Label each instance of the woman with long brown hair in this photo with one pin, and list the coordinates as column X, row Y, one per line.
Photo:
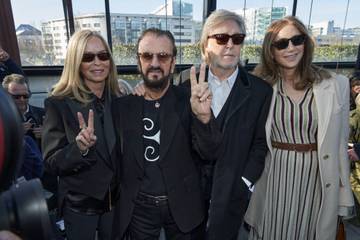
column 305, row 184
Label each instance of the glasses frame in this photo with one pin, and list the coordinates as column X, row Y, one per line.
column 19, row 96
column 162, row 57
column 90, row 57
column 283, row 43
column 223, row 38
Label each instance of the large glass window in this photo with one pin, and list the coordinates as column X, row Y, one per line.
column 335, row 26
column 182, row 18
column 258, row 14
column 40, row 35
column 90, row 15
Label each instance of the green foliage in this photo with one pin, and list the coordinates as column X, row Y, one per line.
column 335, row 53
column 125, row 54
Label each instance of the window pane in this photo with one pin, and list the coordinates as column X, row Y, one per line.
column 35, row 31
column 337, row 40
column 90, row 15
column 182, row 18
column 258, row 14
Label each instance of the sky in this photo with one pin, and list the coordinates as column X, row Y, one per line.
column 33, row 12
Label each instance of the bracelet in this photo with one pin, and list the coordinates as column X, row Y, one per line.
column 84, row 153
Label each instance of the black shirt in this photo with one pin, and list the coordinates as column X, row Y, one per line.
column 153, row 182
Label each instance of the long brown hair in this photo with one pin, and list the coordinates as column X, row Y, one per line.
column 269, row 69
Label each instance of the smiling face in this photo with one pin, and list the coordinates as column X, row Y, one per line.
column 95, row 71
column 223, row 57
column 290, row 57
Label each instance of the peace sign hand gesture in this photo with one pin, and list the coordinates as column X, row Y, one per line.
column 86, row 137
column 201, row 95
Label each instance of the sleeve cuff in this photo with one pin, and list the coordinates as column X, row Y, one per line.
column 248, row 184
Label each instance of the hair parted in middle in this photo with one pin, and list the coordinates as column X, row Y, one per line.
column 71, row 83
column 269, row 70
column 215, row 18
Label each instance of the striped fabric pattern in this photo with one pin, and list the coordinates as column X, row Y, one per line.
column 293, row 195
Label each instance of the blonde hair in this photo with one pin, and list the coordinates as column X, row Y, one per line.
column 269, row 69
column 215, row 18
column 71, row 83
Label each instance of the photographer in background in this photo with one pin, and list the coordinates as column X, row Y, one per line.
column 7, row 66
column 17, row 86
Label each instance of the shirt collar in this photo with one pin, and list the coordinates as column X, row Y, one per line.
column 212, row 79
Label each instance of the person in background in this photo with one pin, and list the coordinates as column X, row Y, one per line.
column 78, row 137
column 32, row 116
column 7, row 66
column 32, row 163
column 354, row 139
column 160, row 137
column 305, row 186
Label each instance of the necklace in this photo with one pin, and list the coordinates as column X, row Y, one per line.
column 157, row 104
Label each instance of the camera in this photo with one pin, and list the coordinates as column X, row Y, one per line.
column 23, row 208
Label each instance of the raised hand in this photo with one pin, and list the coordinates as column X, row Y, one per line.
column 86, row 137
column 201, row 95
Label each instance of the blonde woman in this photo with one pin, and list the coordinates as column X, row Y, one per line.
column 78, row 137
column 305, row 184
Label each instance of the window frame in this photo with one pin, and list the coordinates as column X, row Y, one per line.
column 208, row 7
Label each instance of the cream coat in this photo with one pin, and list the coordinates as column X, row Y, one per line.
column 332, row 103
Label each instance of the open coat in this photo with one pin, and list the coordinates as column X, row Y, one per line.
column 332, row 104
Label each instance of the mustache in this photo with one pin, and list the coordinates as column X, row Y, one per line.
column 154, row 69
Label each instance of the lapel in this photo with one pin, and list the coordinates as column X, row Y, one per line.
column 270, row 117
column 108, row 124
column 324, row 97
column 134, row 123
column 239, row 94
column 169, row 120
column 75, row 107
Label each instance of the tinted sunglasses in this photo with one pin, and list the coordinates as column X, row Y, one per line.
column 223, row 38
column 283, row 43
column 148, row 57
column 89, row 57
column 18, row 96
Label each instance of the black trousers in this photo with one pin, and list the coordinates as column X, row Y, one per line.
column 81, row 226
column 150, row 216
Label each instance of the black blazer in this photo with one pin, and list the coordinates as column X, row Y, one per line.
column 177, row 156
column 90, row 175
column 241, row 153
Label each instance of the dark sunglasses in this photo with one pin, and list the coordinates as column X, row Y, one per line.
column 18, row 96
column 283, row 43
column 89, row 57
column 162, row 57
column 223, row 38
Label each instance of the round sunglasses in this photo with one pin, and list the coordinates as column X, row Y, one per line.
column 163, row 57
column 283, row 43
column 89, row 57
column 223, row 38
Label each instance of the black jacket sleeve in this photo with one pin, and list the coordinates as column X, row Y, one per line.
column 60, row 152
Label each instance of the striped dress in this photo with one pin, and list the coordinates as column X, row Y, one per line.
column 293, row 194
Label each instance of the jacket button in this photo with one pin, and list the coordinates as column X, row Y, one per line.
column 328, row 185
column 325, row 157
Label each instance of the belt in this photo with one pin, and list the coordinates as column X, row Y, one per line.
column 153, row 200
column 295, row 146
